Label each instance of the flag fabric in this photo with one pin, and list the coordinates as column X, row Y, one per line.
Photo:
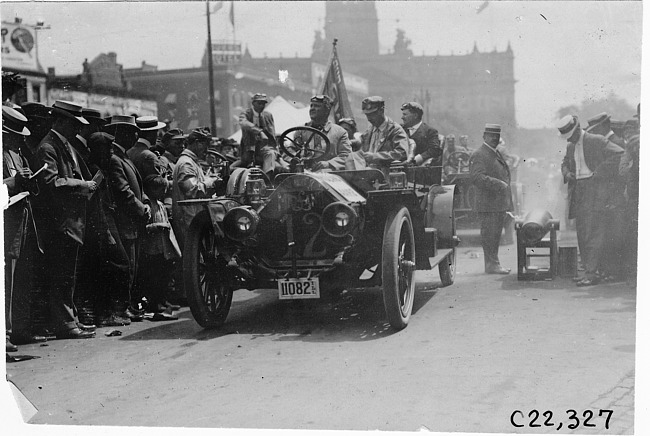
column 232, row 13
column 334, row 87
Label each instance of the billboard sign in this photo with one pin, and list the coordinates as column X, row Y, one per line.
column 19, row 47
column 106, row 104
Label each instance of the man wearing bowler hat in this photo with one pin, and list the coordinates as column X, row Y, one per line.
column 131, row 212
column 382, row 143
column 585, row 169
column 65, row 184
column 491, row 177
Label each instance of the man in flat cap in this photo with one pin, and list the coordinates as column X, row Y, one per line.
column 584, row 169
column 491, row 177
column 257, row 145
column 427, row 150
column 65, row 185
column 334, row 160
column 191, row 182
column 350, row 126
column 131, row 211
column 382, row 143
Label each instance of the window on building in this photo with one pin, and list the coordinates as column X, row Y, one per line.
column 219, row 123
column 36, row 92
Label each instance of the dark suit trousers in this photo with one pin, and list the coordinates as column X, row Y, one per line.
column 491, row 226
column 590, row 227
column 59, row 279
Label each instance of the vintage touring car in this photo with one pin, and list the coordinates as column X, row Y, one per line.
column 309, row 235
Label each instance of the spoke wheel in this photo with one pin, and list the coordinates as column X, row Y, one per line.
column 398, row 268
column 209, row 293
column 457, row 162
column 298, row 144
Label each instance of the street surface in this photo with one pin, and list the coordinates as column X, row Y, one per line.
column 473, row 354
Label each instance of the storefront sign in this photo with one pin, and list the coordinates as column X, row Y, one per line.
column 19, row 47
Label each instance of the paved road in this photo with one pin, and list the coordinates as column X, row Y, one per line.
column 474, row 353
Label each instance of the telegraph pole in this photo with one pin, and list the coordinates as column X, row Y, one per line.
column 213, row 121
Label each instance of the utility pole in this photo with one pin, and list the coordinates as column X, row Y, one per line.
column 213, row 121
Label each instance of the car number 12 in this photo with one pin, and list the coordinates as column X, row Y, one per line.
column 298, row 288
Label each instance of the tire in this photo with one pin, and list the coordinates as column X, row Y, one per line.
column 447, row 267
column 209, row 293
column 398, row 268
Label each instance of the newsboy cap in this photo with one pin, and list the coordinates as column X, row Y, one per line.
column 567, row 125
column 68, row 109
column 493, row 128
column 260, row 97
column 372, row 104
column 597, row 120
column 14, row 121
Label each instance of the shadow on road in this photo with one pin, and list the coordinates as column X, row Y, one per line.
column 357, row 315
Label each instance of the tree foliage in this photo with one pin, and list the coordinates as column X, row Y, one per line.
column 615, row 106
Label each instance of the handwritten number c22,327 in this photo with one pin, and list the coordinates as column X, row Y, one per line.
column 512, row 418
column 573, row 415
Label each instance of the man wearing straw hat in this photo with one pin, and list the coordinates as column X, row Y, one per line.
column 584, row 168
column 65, row 184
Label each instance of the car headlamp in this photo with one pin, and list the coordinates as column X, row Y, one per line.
column 339, row 219
column 397, row 180
column 240, row 223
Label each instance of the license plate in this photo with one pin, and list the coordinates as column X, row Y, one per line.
column 293, row 289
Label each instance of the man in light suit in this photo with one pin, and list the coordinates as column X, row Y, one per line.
column 428, row 150
column 382, row 143
column 319, row 110
column 257, row 145
column 585, row 169
column 491, row 177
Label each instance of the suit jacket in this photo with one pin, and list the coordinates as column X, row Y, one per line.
column 151, row 169
column 491, row 177
column 339, row 144
column 393, row 144
column 249, row 131
column 427, row 144
column 602, row 157
column 126, row 186
column 61, row 204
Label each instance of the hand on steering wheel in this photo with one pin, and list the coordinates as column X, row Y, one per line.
column 302, row 148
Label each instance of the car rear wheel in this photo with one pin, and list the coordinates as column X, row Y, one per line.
column 447, row 267
column 398, row 268
column 209, row 294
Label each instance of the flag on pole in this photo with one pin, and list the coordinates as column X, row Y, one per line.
column 232, row 13
column 334, row 87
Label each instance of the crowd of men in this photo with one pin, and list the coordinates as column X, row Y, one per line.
column 601, row 169
column 95, row 223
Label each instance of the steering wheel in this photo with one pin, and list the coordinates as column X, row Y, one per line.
column 220, row 156
column 299, row 148
column 457, row 162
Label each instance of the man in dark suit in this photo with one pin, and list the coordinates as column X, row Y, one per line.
column 428, row 150
column 257, row 145
column 611, row 263
column 65, row 185
column 131, row 212
column 491, row 177
column 586, row 168
column 148, row 164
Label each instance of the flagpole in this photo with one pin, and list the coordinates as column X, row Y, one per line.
column 213, row 122
column 329, row 63
column 232, row 17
